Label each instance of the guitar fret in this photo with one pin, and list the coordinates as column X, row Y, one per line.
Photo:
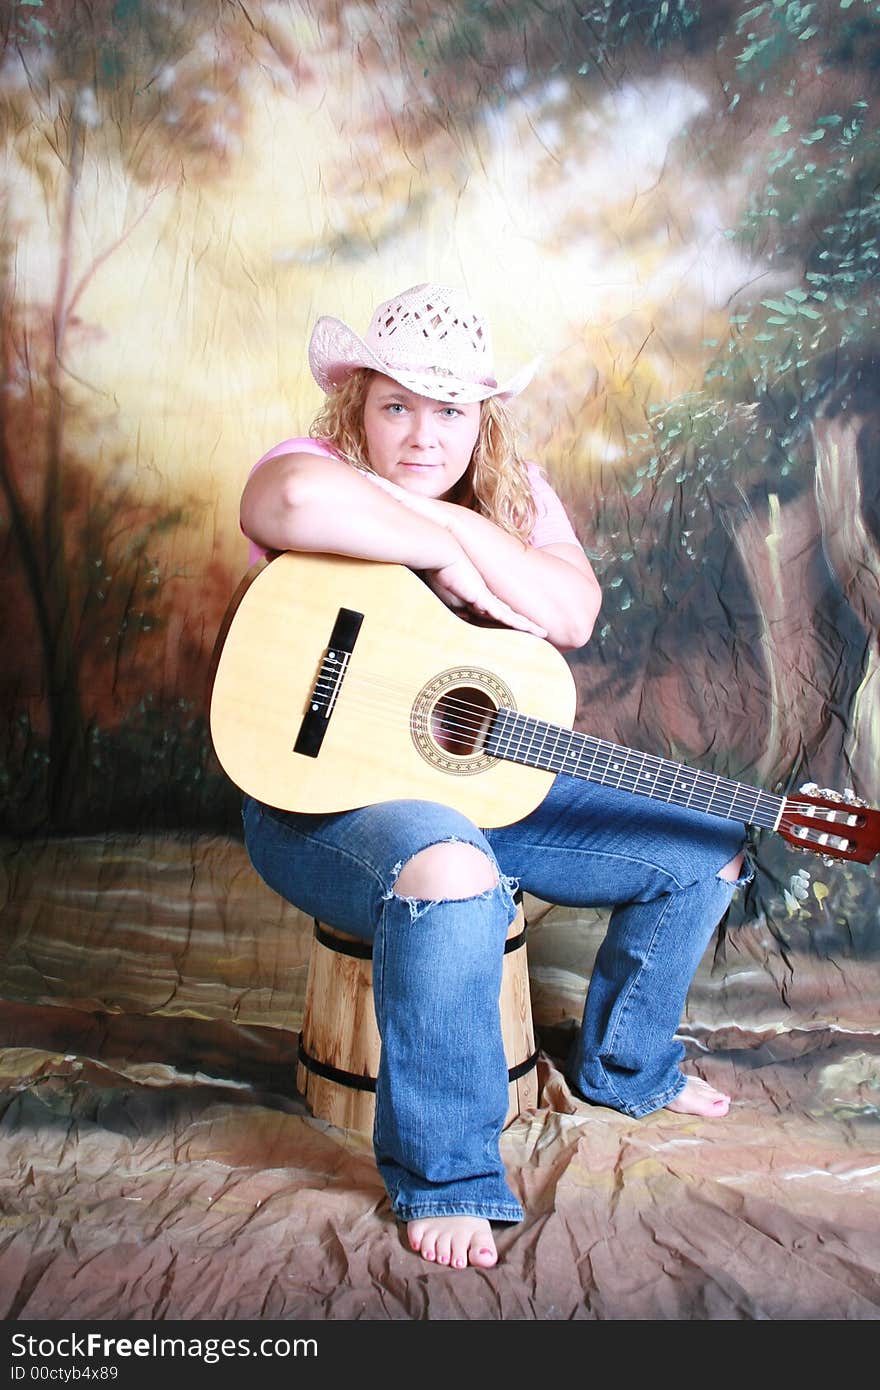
column 519, row 738
column 755, row 806
column 664, row 764
column 520, row 723
column 516, row 732
column 575, row 758
column 555, row 747
column 712, row 794
column 600, row 762
column 496, row 735
column 572, row 757
column 541, row 751
column 527, row 756
column 655, row 765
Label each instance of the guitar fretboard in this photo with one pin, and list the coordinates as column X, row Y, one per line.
column 519, row 738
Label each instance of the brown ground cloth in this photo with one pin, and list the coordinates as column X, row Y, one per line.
column 157, row 1163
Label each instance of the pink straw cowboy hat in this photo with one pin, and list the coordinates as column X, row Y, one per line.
column 429, row 338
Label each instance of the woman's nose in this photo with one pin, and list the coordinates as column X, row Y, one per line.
column 423, row 432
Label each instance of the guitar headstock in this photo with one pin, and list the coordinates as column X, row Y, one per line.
column 830, row 824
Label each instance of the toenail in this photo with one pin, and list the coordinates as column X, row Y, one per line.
column 459, row 1264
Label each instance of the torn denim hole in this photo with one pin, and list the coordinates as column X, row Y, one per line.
column 748, row 871
column 419, row 906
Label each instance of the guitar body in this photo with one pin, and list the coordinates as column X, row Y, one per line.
column 412, row 663
column 342, row 683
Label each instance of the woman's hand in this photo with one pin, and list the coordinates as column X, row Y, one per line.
column 460, row 585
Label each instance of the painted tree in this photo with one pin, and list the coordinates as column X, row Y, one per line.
column 703, row 502
column 120, row 85
column 792, row 388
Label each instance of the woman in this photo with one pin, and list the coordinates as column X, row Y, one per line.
column 413, row 460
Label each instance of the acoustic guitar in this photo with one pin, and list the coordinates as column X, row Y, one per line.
column 341, row 682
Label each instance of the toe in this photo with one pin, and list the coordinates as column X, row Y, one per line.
column 443, row 1248
column 428, row 1243
column 460, row 1249
column 482, row 1252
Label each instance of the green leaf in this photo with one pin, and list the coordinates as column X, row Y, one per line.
column 781, row 126
column 797, row 295
column 808, row 313
column 779, row 305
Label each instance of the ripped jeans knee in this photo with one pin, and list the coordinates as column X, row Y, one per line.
column 449, row 871
column 739, row 871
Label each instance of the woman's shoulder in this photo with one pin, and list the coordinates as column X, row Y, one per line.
column 542, row 489
column 301, row 444
column 552, row 525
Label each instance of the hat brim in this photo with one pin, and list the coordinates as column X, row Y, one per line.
column 335, row 351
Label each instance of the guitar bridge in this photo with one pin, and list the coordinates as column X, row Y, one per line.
column 325, row 691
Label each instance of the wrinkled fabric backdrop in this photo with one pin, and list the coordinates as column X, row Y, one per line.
column 677, row 207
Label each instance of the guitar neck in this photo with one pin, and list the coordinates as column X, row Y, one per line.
column 532, row 742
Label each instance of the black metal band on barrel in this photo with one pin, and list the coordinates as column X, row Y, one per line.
column 342, row 1078
column 355, row 1082
column 514, row 1073
column 363, row 950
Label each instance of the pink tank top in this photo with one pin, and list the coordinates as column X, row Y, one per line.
column 552, row 526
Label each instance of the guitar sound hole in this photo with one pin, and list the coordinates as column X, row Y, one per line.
column 461, row 719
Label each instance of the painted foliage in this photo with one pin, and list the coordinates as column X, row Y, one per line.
column 676, row 205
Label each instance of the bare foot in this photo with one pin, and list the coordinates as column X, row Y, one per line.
column 699, row 1098
column 454, row 1240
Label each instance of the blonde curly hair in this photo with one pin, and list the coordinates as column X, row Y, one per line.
column 496, row 482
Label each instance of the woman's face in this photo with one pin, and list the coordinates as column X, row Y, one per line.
column 419, row 443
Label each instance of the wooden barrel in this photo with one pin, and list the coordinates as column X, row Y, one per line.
column 339, row 1043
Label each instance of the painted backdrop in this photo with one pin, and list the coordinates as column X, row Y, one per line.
column 676, row 205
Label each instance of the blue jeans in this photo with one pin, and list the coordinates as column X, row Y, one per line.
column 441, row 1091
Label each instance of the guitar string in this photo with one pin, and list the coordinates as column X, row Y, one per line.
column 665, row 767
column 464, row 725
column 665, row 775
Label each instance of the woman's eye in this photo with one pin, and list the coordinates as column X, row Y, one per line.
column 395, row 408
column 451, row 413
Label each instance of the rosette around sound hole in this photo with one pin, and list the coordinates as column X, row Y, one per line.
column 452, row 717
